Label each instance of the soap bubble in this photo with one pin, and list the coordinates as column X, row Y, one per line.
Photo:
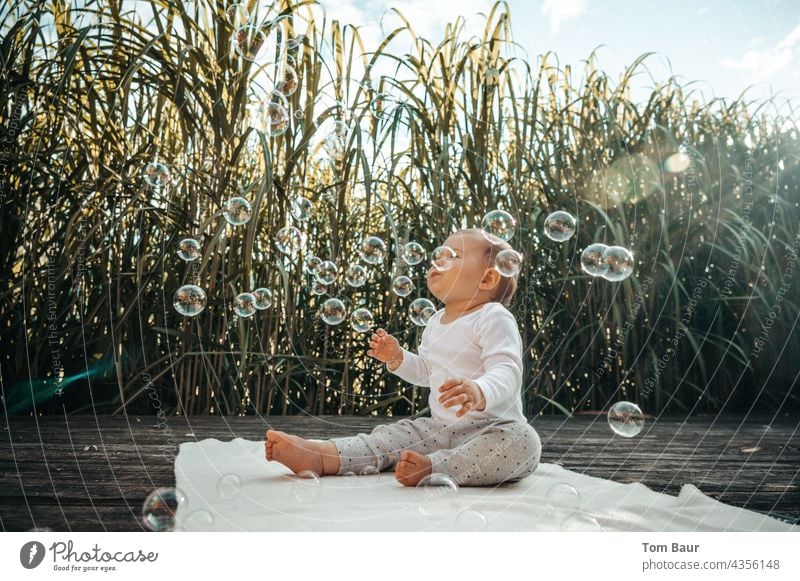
column 500, row 223
column 158, row 510
column 189, row 300
column 592, row 261
column 189, row 249
column 370, row 470
column 413, row 253
column 336, row 141
column 439, row 495
column 306, row 486
column 301, row 208
column 563, row 495
column 263, row 298
column 247, row 41
column 245, row 305
column 508, row 262
column 471, row 520
column 90, row 448
column 318, row 289
column 326, row 273
column 289, row 83
column 237, row 15
column 581, row 522
column 421, row 310
column 199, row 520
column 156, row 174
column 619, row 262
column 402, row 286
column 278, row 118
column 312, row 264
column 355, row 275
column 229, row 486
column 626, row 419
column 373, row 250
column 289, row 240
column 361, row 320
column 333, row 311
column 559, row 226
column 237, row 211
column 443, row 258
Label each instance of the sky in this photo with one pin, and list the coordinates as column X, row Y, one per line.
column 721, row 46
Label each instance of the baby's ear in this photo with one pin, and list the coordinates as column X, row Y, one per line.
column 491, row 278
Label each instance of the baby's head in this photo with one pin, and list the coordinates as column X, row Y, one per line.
column 472, row 275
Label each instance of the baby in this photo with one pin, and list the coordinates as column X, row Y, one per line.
column 470, row 356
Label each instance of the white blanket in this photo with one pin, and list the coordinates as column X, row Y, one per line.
column 266, row 496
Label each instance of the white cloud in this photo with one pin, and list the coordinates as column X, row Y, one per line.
column 561, row 11
column 762, row 64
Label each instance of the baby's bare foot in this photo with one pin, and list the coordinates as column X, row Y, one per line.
column 412, row 468
column 294, row 452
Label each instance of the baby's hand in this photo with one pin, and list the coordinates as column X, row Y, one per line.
column 386, row 348
column 465, row 392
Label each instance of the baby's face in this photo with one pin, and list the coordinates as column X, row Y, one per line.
column 462, row 281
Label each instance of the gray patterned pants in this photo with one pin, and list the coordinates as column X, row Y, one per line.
column 472, row 452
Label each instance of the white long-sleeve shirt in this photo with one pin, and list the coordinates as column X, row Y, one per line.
column 485, row 346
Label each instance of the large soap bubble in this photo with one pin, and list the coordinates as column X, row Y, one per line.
column 626, row 419
column 156, row 174
column 508, row 262
column 189, row 249
column 263, row 298
column 229, row 486
column 440, row 495
column 361, row 320
column 327, row 272
column 237, row 211
column 356, row 275
column 559, row 226
column 160, row 507
column 312, row 264
column 619, row 263
column 289, row 240
column 373, row 250
column 301, row 208
column 592, row 261
column 443, row 258
column 420, row 311
column 413, row 253
column 244, row 305
column 189, row 300
column 500, row 223
column 289, row 83
column 247, row 42
column 333, row 311
column 277, row 118
column 563, row 495
column 402, row 286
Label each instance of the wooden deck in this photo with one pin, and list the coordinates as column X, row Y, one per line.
column 48, row 478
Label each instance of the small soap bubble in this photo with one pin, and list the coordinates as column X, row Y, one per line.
column 306, row 486
column 421, row 310
column 440, row 496
column 90, row 448
column 160, row 507
column 247, row 42
column 361, row 320
column 626, row 419
column 413, row 253
column 318, row 289
column 619, row 262
column 592, row 261
column 508, row 262
column 278, row 119
column 564, row 495
column 263, row 298
column 355, row 275
column 500, row 223
column 289, row 240
column 198, row 520
column 311, row 265
column 301, row 208
column 373, row 250
column 229, row 486
column 245, row 305
column 299, row 114
column 237, row 15
column 370, row 470
column 189, row 300
column 402, row 286
column 333, row 311
column 559, row 226
column 471, row 520
column 237, row 211
column 189, row 249
column 581, row 522
column 156, row 174
column 327, row 272
column 443, row 258
column 289, row 83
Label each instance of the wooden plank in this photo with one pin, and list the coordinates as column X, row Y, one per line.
column 50, row 474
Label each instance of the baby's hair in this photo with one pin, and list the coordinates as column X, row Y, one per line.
column 507, row 287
